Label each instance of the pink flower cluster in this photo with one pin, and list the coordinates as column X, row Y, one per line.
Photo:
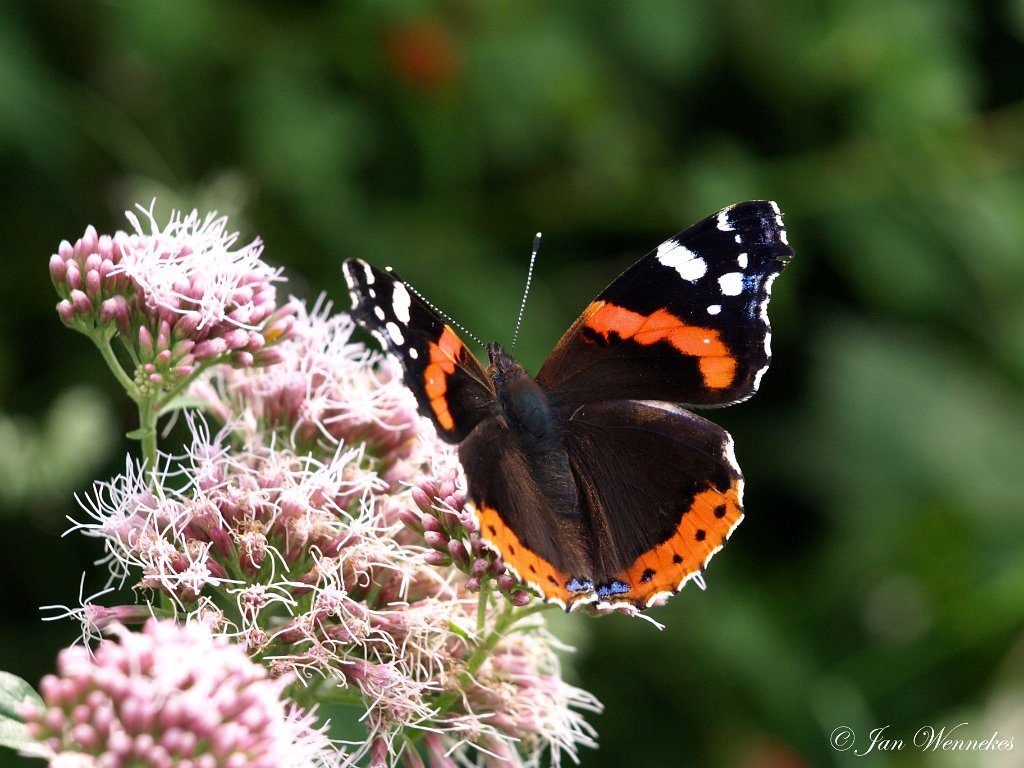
column 177, row 296
column 321, row 526
column 171, row 695
column 324, row 388
column 451, row 530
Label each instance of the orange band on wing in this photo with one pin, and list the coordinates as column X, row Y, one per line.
column 658, row 573
column 531, row 568
column 717, row 366
column 443, row 355
column 702, row 531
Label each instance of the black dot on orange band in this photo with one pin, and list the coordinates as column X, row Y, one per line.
column 493, row 530
column 677, row 559
column 554, row 582
column 511, row 549
column 647, row 576
column 701, row 534
column 533, row 568
column 589, row 334
column 720, row 511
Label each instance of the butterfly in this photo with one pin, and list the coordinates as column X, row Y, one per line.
column 593, row 481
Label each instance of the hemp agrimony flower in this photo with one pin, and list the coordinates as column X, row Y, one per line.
column 177, row 299
column 312, row 528
column 171, row 695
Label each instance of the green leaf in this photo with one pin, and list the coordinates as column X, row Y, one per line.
column 184, row 402
column 14, row 735
column 13, row 693
column 456, row 629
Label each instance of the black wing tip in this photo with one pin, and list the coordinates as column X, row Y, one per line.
column 359, row 276
column 763, row 217
column 352, row 268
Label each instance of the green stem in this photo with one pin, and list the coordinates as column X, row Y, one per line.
column 504, row 622
column 148, row 410
column 535, row 607
column 115, row 367
column 168, row 397
column 481, row 606
column 148, row 415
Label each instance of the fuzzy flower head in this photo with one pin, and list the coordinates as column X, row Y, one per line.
column 242, row 515
column 171, row 695
column 323, row 527
column 325, row 388
column 178, row 296
column 328, row 582
column 526, row 700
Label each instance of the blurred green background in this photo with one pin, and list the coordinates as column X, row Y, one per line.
column 878, row 579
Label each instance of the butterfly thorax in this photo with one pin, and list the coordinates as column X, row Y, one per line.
column 523, row 402
column 526, row 411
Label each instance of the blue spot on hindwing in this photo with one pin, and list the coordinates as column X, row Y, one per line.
column 575, row 585
column 613, row 588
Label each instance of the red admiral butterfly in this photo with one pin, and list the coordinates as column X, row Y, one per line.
column 590, row 481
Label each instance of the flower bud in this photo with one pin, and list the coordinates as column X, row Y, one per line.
column 458, row 552
column 83, row 307
column 58, row 267
column 436, row 540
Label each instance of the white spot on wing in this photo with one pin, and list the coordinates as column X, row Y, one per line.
column 729, row 454
column 414, row 353
column 714, row 309
column 685, row 262
column 380, row 313
column 742, row 260
column 767, row 295
column 731, row 283
column 758, row 375
column 368, row 272
column 395, row 333
column 402, row 302
column 778, row 222
column 723, row 221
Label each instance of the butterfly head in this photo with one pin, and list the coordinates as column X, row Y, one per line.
column 503, row 369
column 499, row 361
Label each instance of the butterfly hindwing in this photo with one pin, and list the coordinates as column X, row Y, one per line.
column 527, row 508
column 656, row 492
column 662, row 493
column 685, row 324
column 450, row 385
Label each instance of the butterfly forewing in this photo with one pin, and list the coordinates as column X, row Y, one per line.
column 450, row 385
column 686, row 324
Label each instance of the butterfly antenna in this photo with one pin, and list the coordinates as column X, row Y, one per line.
column 526, row 291
column 444, row 315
